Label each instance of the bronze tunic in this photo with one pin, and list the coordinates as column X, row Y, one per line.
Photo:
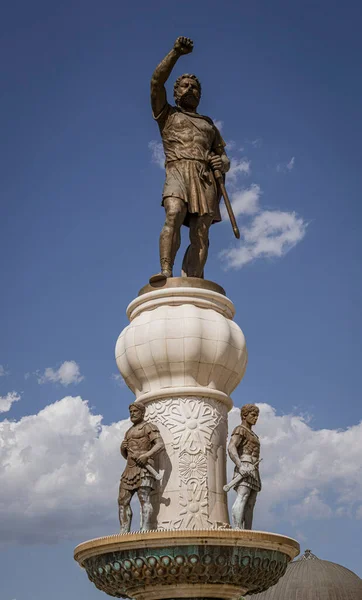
column 188, row 139
column 248, row 448
column 140, row 439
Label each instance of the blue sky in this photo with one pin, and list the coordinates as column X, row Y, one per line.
column 80, row 207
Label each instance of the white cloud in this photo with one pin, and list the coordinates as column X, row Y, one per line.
column 7, row 401
column 285, row 167
column 230, row 145
column 117, row 377
column 311, row 507
column 257, row 143
column 60, row 470
column 244, row 201
column 270, row 234
column 59, row 473
column 218, row 124
column 67, row 373
column 158, row 155
column 238, row 166
column 290, row 164
column 3, row 371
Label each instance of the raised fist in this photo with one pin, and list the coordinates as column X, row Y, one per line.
column 183, row 45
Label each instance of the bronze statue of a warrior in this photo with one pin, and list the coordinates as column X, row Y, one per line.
column 141, row 443
column 195, row 153
column 244, row 451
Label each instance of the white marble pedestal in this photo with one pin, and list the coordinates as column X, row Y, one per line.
column 182, row 355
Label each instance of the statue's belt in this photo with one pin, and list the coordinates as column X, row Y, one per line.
column 204, row 171
column 248, row 458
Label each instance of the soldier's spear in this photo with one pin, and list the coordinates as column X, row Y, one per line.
column 219, row 178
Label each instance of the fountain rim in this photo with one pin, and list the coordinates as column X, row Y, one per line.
column 206, row 537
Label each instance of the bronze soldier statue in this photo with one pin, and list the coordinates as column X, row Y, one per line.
column 194, row 150
column 141, row 443
column 244, row 451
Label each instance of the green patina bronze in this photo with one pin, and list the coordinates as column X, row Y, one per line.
column 116, row 573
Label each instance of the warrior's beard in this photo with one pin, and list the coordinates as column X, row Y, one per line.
column 188, row 99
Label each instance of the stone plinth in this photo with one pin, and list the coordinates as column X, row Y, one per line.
column 160, row 565
column 182, row 355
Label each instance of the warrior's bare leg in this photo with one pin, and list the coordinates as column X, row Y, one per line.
column 249, row 509
column 170, row 237
column 125, row 511
column 196, row 253
column 238, row 509
column 146, row 507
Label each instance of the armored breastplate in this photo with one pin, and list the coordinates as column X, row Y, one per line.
column 250, row 444
column 138, row 440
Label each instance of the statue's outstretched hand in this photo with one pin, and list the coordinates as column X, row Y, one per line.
column 183, row 45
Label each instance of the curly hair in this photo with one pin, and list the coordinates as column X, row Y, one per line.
column 141, row 407
column 247, row 408
column 185, row 76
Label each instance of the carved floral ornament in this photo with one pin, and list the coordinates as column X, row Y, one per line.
column 192, row 467
column 192, row 421
column 194, row 507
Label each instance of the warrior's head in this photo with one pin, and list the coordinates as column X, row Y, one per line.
column 249, row 413
column 187, row 91
column 136, row 412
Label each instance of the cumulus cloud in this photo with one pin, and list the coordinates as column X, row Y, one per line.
column 265, row 233
column 270, row 234
column 60, row 469
column 257, row 143
column 238, row 167
column 286, row 167
column 59, row 473
column 7, row 401
column 312, row 507
column 3, row 371
column 245, row 201
column 118, row 379
column 157, row 153
column 218, row 124
column 67, row 373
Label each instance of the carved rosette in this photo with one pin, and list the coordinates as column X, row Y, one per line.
column 192, row 467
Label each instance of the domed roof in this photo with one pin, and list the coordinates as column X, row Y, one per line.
column 310, row 578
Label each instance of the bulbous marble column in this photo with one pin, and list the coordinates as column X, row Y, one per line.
column 182, row 355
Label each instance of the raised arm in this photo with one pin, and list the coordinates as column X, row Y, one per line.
column 162, row 72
